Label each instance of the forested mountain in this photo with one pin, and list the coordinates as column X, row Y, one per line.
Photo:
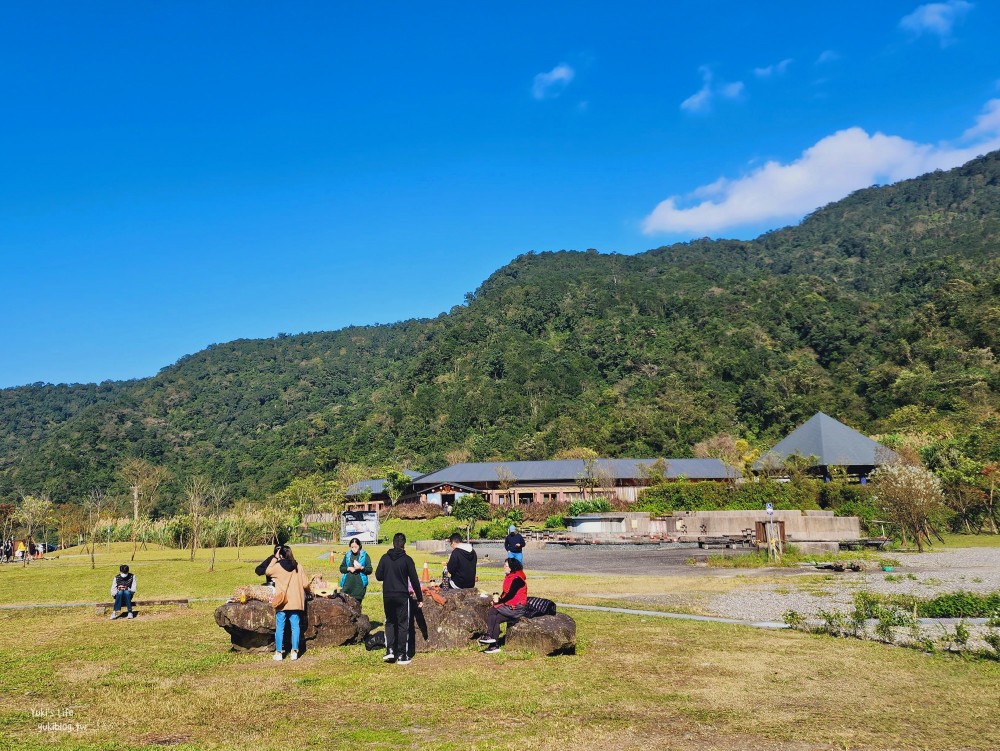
column 882, row 309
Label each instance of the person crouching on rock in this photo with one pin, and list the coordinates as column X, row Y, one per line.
column 398, row 575
column 461, row 564
column 123, row 590
column 508, row 606
column 289, row 578
column 356, row 568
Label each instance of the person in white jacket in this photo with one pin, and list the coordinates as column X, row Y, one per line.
column 123, row 589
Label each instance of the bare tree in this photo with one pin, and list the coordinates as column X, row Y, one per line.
column 506, row 479
column 196, row 491
column 143, row 480
column 95, row 505
column 588, row 478
column 239, row 516
column 70, row 522
column 275, row 519
column 216, row 499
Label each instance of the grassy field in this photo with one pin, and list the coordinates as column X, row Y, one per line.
column 167, row 679
column 967, row 541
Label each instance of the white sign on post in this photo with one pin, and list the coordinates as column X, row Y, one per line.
column 769, row 508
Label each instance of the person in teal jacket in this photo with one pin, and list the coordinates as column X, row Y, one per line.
column 356, row 568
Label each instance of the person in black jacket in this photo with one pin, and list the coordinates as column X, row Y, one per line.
column 398, row 575
column 513, row 543
column 261, row 570
column 461, row 564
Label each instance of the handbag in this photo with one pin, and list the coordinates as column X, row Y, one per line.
column 278, row 600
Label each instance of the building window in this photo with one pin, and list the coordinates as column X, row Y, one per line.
column 550, row 497
column 525, row 499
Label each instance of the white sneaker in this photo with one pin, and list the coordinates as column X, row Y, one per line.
column 113, row 616
column 294, row 655
column 389, row 657
column 131, row 616
column 277, row 657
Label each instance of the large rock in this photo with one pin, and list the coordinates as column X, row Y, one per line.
column 546, row 635
column 335, row 622
column 328, row 623
column 455, row 623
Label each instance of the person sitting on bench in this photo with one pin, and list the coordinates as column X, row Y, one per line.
column 123, row 589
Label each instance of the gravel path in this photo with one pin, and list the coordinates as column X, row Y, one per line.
column 921, row 574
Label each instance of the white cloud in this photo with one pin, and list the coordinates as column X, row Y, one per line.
column 551, row 84
column 827, row 171
column 987, row 124
column 771, row 70
column 936, row 18
column 731, row 90
column 827, row 56
column 701, row 100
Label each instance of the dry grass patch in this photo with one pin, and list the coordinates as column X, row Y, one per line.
column 637, row 682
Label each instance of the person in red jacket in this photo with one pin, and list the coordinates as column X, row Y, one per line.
column 508, row 606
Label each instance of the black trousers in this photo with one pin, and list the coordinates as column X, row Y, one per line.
column 398, row 623
column 502, row 614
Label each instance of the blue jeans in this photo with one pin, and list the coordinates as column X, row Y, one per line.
column 123, row 597
column 279, row 629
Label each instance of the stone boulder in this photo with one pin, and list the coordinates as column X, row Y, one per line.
column 329, row 622
column 546, row 635
column 453, row 624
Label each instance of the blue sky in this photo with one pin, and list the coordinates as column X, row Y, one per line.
column 178, row 174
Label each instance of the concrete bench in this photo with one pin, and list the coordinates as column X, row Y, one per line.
column 103, row 608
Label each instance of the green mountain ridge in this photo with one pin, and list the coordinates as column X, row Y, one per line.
column 881, row 310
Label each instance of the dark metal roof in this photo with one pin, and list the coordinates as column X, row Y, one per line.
column 374, row 486
column 831, row 442
column 569, row 470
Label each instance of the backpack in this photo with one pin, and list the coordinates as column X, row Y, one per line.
column 538, row 606
column 375, row 641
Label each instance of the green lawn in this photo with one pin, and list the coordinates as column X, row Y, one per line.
column 967, row 541
column 636, row 682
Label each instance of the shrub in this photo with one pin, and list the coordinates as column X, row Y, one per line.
column 494, row 530
column 555, row 521
column 795, row 620
column 668, row 497
column 834, row 622
column 539, row 512
column 590, row 506
column 417, row 511
column 509, row 516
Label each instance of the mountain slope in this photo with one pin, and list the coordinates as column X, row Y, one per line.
column 881, row 309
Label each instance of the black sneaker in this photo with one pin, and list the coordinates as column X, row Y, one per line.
column 487, row 640
column 491, row 650
column 404, row 660
column 389, row 657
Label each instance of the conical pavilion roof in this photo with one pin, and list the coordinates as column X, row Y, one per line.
column 831, row 442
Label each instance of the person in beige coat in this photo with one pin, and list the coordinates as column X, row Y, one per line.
column 289, row 577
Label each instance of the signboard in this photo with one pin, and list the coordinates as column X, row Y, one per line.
column 360, row 524
column 769, row 508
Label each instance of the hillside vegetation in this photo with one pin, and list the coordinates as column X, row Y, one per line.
column 882, row 310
